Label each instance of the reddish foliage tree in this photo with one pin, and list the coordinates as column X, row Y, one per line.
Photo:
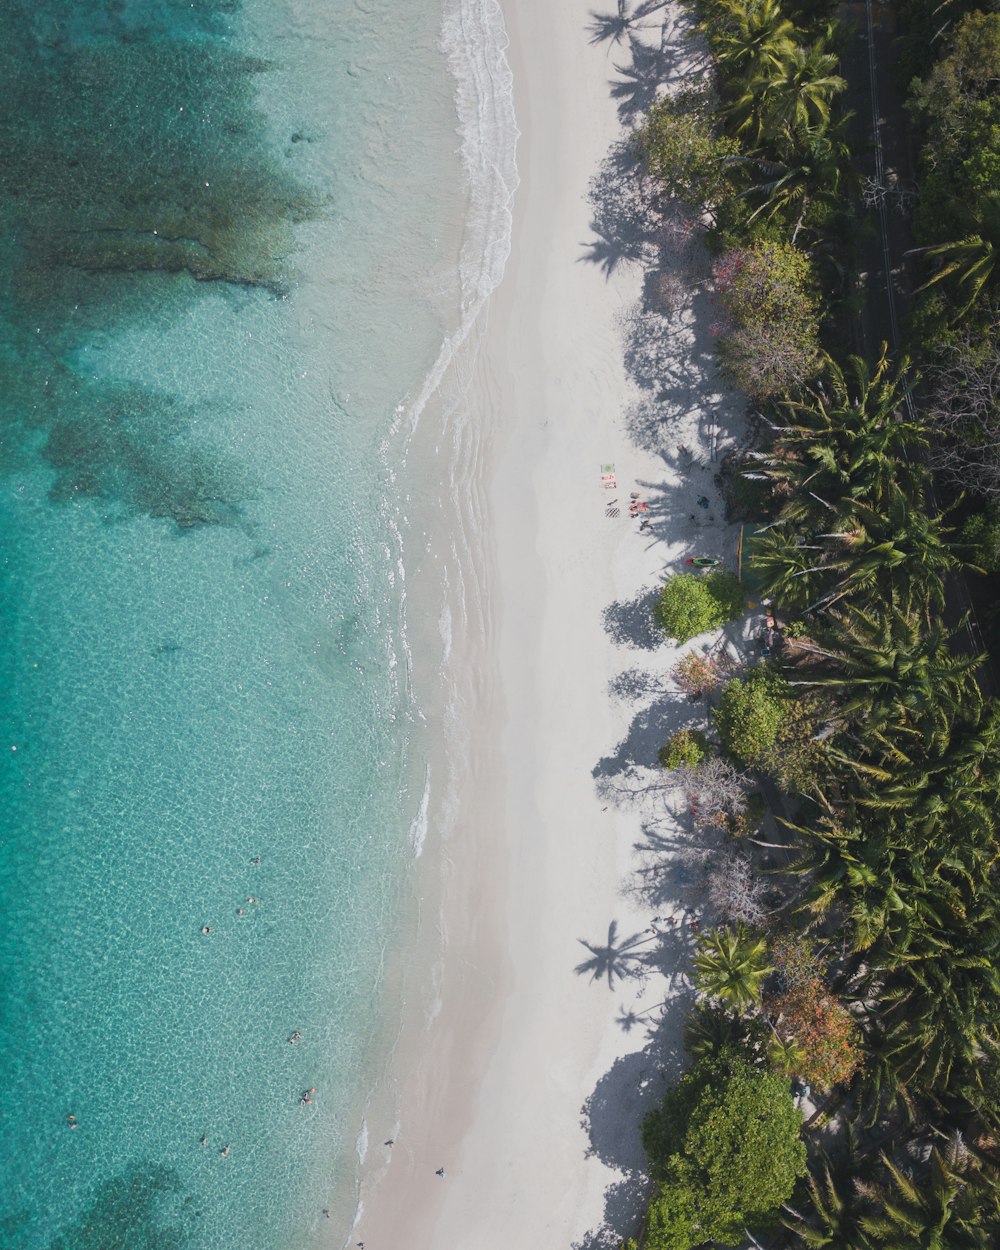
column 804, row 1009
column 698, row 674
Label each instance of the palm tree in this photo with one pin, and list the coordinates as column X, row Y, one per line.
column 939, row 1007
column 833, row 1219
column 731, row 965
column 751, row 37
column 845, row 439
column 811, row 172
column 779, row 106
column 711, row 1029
column 891, row 888
column 969, row 261
column 852, row 872
column 947, row 1210
column 895, row 553
column 895, row 674
column 785, row 1055
column 789, row 569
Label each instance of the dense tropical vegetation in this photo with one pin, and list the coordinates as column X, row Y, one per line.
column 867, row 963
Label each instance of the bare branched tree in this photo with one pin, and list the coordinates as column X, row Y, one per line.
column 716, row 792
column 964, row 411
column 735, row 891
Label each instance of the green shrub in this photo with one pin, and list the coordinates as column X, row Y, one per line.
column 981, row 539
column 750, row 714
column 687, row 746
column 724, row 1152
column 692, row 603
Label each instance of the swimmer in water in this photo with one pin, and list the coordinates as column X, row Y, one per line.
column 224, row 1151
column 205, row 930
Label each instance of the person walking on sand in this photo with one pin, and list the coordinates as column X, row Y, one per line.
column 440, row 1172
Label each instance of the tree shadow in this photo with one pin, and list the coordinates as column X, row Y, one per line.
column 624, row 1203
column 632, row 624
column 619, row 959
column 612, row 1117
column 626, row 222
column 614, row 27
column 640, row 80
column 674, row 57
column 649, row 730
column 637, row 683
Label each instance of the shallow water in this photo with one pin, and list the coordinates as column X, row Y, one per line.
column 236, row 238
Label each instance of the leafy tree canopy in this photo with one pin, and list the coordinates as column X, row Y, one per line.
column 769, row 337
column 725, row 1152
column 684, row 149
column 959, row 205
column 692, row 603
column 750, row 714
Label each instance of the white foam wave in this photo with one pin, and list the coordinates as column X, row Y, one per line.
column 418, row 826
column 475, row 41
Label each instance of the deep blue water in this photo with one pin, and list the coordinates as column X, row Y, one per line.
column 221, row 227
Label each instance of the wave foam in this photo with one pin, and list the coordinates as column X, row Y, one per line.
column 475, row 41
column 418, row 827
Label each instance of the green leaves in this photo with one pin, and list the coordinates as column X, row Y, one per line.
column 725, row 1152
column 685, row 150
column 731, row 965
column 959, row 218
column 692, row 603
column 750, row 714
column 786, row 102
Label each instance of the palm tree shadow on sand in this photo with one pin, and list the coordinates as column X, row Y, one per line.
column 619, row 25
column 617, row 960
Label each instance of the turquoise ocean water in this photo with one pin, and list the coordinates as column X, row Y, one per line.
column 234, row 238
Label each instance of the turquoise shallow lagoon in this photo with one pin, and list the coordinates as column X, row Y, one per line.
column 230, row 242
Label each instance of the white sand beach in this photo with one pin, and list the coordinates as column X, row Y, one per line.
column 559, row 1012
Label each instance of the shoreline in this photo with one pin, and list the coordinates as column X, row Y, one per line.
column 522, row 1080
